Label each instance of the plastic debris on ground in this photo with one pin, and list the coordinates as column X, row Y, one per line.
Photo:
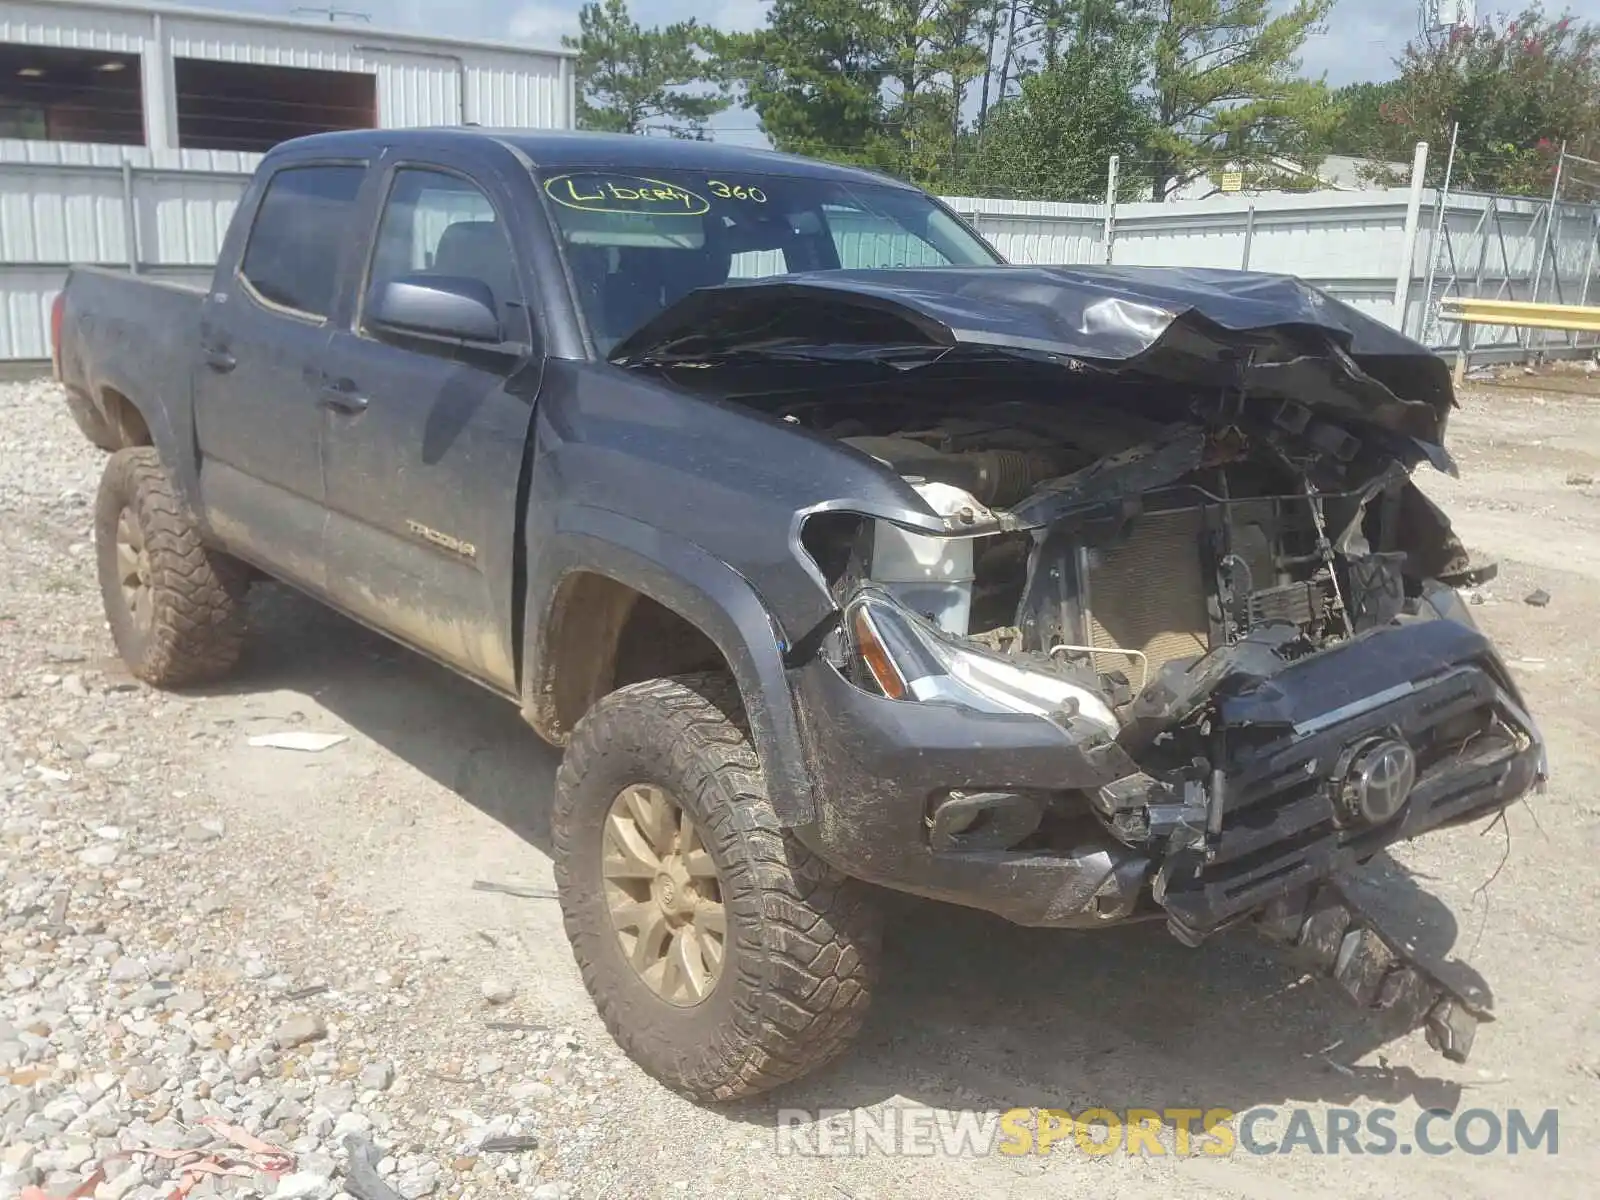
column 310, row 743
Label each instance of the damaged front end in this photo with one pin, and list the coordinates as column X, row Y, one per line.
column 1168, row 633
column 1256, row 692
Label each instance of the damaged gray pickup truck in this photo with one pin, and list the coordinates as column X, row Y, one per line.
column 835, row 551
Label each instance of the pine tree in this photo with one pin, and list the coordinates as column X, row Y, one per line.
column 1228, row 93
column 635, row 80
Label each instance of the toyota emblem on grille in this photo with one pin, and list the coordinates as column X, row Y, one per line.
column 1379, row 779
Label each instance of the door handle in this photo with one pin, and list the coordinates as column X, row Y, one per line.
column 342, row 400
column 219, row 361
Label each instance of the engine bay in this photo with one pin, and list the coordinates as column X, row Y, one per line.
column 1150, row 557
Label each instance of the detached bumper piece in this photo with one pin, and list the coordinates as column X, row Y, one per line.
column 1329, row 934
column 1333, row 759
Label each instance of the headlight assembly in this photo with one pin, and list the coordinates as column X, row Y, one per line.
column 908, row 658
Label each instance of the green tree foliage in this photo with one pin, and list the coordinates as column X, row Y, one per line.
column 878, row 82
column 1362, row 118
column 635, row 80
column 1228, row 93
column 1022, row 97
column 815, row 76
column 1518, row 93
column 1052, row 140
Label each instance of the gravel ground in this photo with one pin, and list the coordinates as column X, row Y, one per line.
column 228, row 949
column 168, row 969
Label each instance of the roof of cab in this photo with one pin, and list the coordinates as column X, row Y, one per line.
column 613, row 151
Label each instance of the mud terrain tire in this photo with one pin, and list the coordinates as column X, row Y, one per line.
column 802, row 941
column 176, row 608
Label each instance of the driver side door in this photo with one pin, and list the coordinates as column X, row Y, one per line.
column 424, row 456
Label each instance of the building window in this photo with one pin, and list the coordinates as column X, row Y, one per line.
column 243, row 106
column 51, row 94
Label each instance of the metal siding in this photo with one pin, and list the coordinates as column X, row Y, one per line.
column 55, row 215
column 183, row 218
column 49, row 25
column 419, row 81
column 416, row 92
column 63, row 202
column 25, row 299
column 68, row 153
column 756, row 264
column 220, row 41
column 1035, row 231
column 861, row 242
column 512, row 93
column 415, row 87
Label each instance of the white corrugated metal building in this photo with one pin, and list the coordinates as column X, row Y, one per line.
column 125, row 129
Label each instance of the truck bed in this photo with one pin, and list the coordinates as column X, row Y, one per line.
column 125, row 336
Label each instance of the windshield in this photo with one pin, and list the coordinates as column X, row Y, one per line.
column 637, row 244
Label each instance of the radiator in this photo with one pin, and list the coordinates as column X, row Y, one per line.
column 1148, row 594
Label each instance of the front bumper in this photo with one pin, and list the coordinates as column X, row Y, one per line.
column 1448, row 698
column 883, row 767
column 880, row 764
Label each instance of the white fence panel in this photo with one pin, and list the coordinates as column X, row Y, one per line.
column 1036, row 231
column 167, row 213
column 164, row 213
column 182, row 218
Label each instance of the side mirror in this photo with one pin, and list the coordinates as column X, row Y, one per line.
column 444, row 306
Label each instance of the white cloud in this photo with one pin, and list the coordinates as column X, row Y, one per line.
column 1362, row 40
column 543, row 24
column 738, row 16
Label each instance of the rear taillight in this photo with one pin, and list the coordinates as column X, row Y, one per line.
column 56, row 311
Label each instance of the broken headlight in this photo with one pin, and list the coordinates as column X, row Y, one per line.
column 907, row 657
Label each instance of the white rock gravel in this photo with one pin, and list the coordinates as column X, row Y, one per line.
column 158, row 969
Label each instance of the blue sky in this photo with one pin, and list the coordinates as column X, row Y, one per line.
column 1362, row 39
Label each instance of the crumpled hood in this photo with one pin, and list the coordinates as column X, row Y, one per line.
column 1272, row 335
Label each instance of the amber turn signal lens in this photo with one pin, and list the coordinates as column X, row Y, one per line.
column 876, row 658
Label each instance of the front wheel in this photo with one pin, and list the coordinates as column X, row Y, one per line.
column 724, row 957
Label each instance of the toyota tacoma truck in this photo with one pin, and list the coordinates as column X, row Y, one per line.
column 837, row 553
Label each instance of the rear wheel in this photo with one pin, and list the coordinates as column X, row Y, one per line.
column 723, row 956
column 175, row 607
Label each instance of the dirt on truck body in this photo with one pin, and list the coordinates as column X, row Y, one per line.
column 1079, row 596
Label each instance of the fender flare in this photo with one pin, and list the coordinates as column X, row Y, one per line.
column 719, row 602
column 175, row 447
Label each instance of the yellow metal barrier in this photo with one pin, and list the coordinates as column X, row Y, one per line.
column 1522, row 314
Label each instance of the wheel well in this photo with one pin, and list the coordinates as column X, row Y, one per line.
column 126, row 423
column 604, row 635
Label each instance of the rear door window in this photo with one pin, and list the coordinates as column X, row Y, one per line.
column 305, row 221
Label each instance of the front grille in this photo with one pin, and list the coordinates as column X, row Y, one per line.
column 1281, row 828
column 1149, row 594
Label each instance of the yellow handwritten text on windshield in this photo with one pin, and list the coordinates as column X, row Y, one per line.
column 736, row 191
column 596, row 192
